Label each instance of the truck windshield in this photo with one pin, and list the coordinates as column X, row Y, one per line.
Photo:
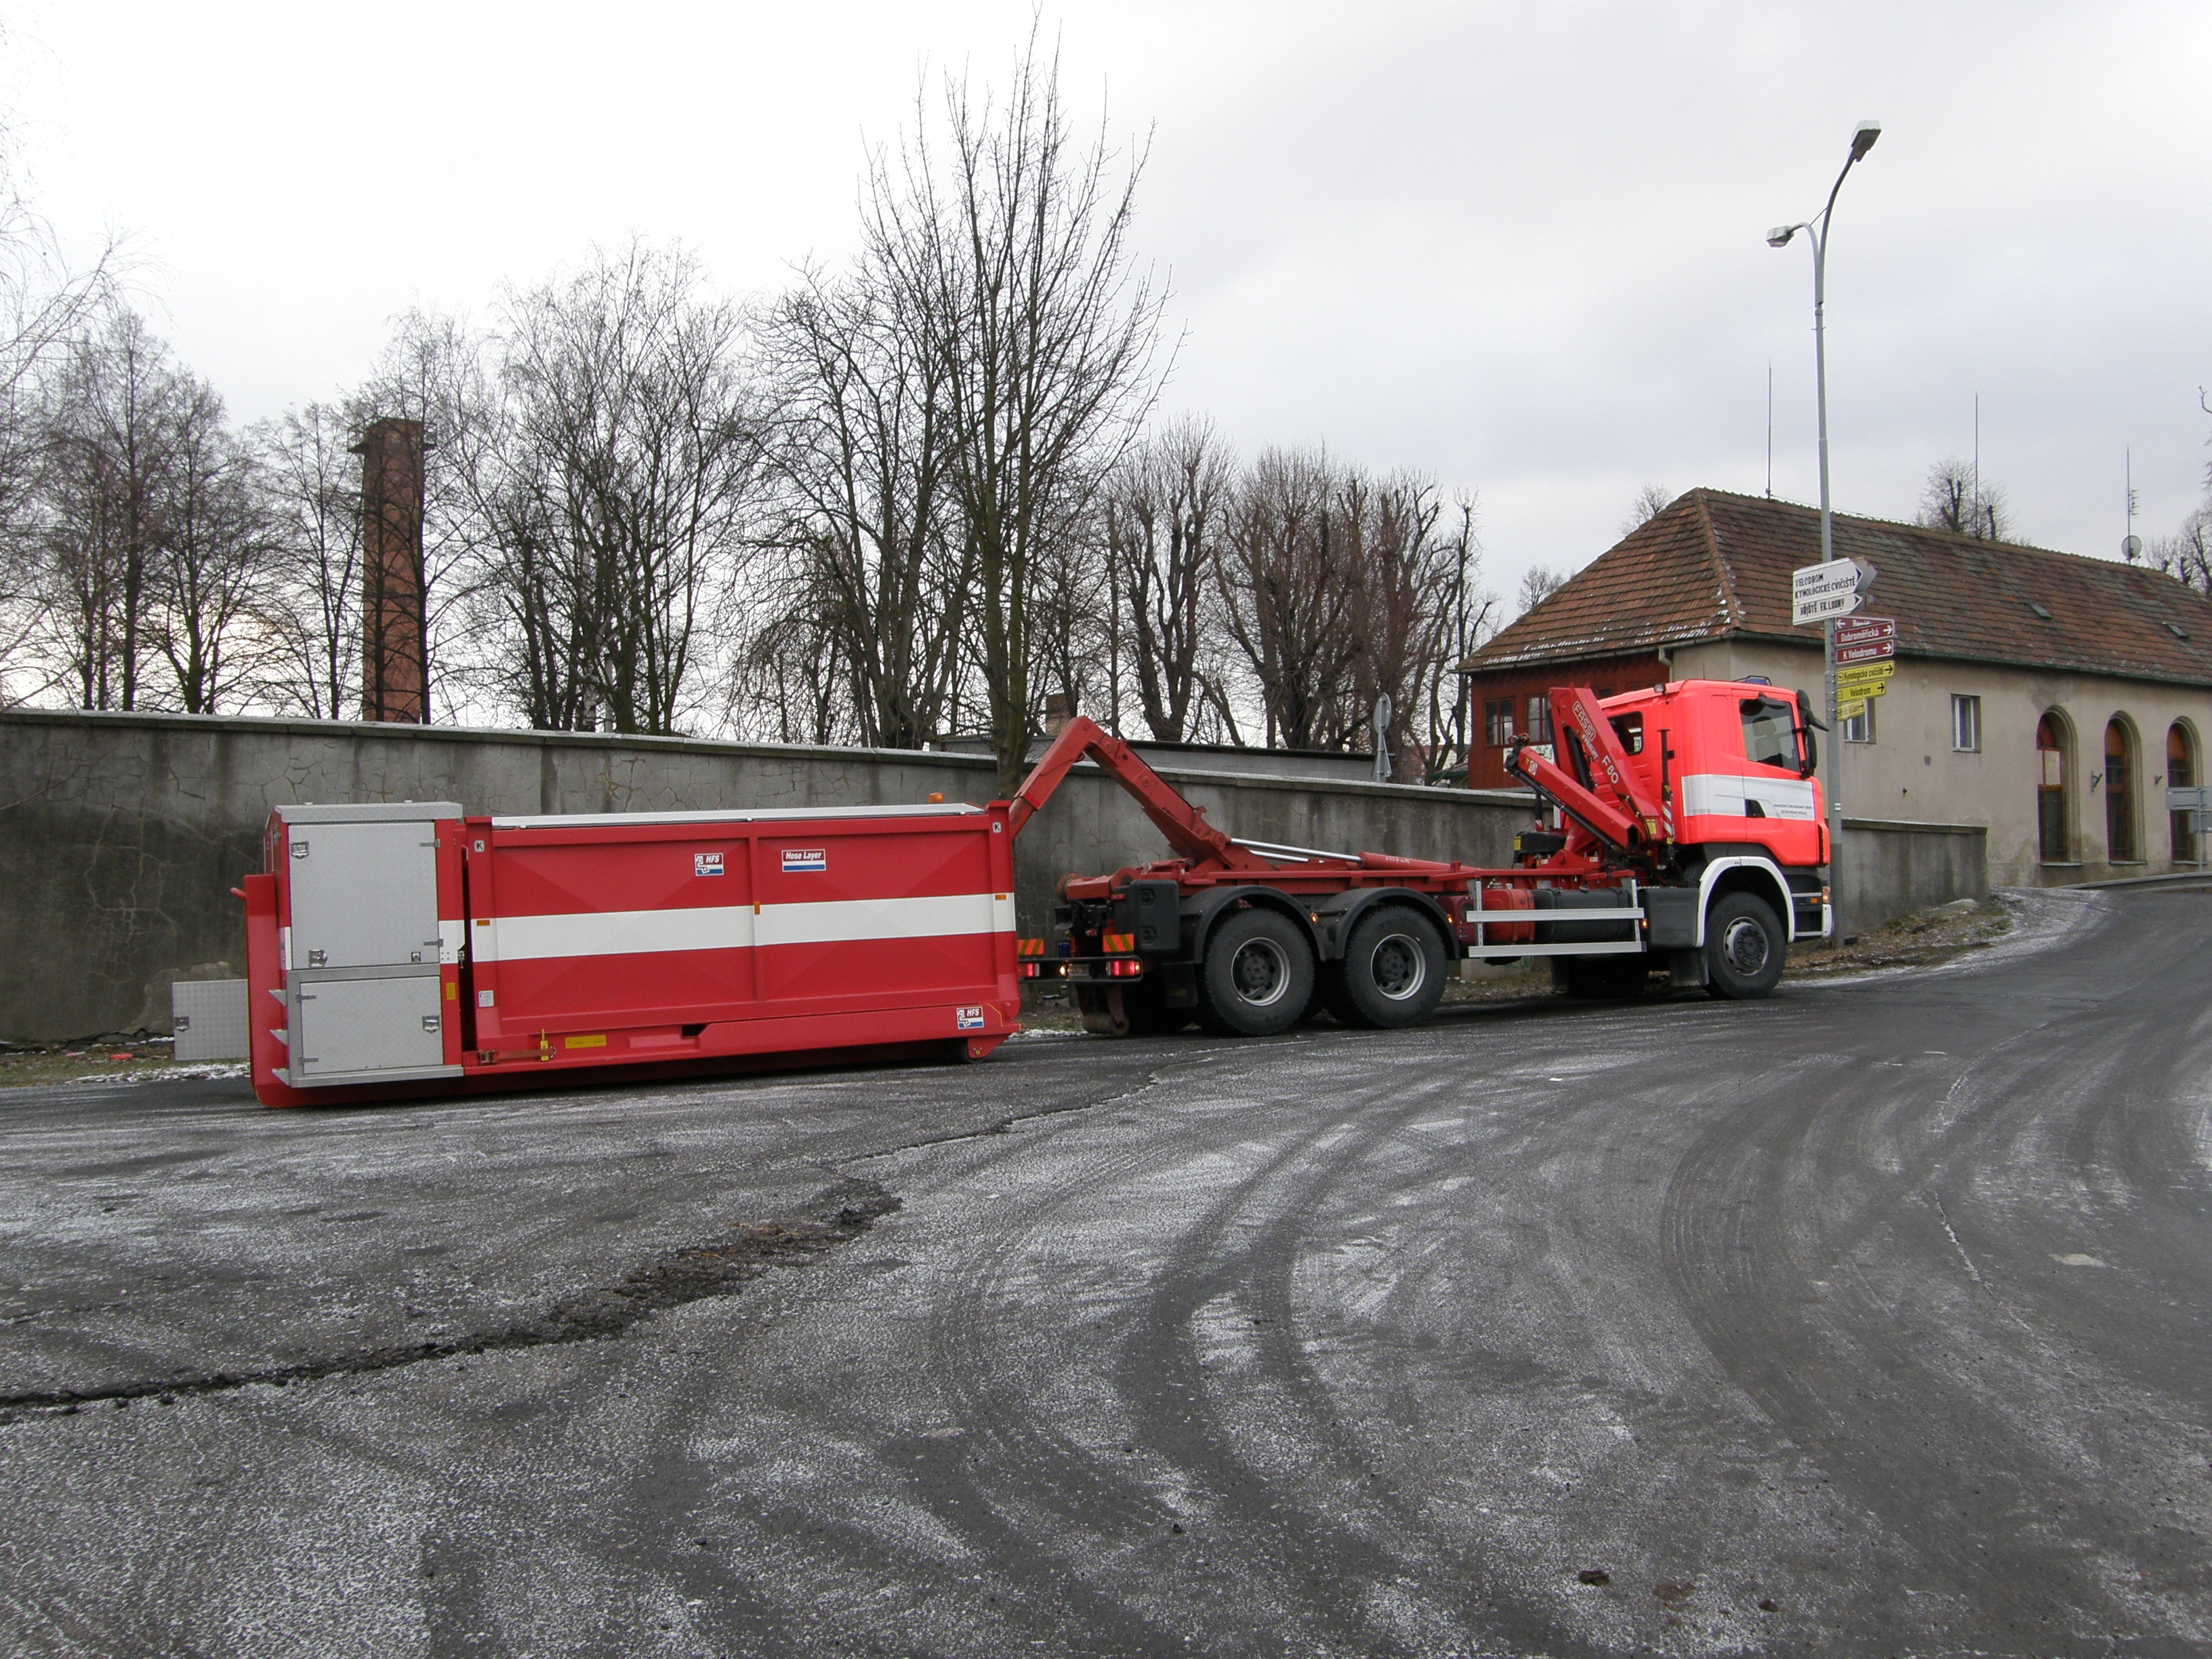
column 1770, row 733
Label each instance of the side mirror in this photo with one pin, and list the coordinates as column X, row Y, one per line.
column 1807, row 725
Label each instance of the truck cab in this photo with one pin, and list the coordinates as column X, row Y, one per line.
column 1734, row 759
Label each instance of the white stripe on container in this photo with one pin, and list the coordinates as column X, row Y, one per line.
column 736, row 927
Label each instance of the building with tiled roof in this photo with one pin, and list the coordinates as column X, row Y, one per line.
column 2049, row 698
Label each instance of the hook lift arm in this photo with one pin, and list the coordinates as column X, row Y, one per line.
column 1182, row 824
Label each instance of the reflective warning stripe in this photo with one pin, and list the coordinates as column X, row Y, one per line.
column 737, row 927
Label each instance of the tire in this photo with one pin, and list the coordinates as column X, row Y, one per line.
column 1257, row 976
column 1606, row 979
column 1393, row 972
column 1745, row 947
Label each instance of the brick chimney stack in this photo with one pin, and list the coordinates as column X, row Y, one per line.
column 393, row 625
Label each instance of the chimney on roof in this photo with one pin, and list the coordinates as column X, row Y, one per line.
column 394, row 623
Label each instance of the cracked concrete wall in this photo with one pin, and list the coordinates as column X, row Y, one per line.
column 122, row 834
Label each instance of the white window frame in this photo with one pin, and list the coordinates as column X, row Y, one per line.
column 1860, row 728
column 1965, row 733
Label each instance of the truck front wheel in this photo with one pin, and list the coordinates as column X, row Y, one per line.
column 1744, row 947
column 1257, row 977
column 1393, row 972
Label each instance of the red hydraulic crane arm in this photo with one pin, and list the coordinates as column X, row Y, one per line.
column 1613, row 805
column 1600, row 816
column 1574, row 711
column 1184, row 825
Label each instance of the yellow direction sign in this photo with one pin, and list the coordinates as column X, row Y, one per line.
column 1846, row 692
column 1850, row 709
column 1864, row 673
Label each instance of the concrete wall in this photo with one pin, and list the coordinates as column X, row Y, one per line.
column 121, row 834
column 1890, row 868
column 1910, row 771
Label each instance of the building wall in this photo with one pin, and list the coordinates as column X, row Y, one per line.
column 1910, row 772
column 1517, row 686
column 122, row 834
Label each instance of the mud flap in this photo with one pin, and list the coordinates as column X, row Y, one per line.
column 1686, row 970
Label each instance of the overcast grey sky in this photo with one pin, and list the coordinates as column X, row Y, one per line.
column 1520, row 247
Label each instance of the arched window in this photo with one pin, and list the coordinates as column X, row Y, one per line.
column 2120, row 843
column 2051, row 789
column 2181, row 773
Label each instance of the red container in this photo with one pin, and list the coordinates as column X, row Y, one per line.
column 406, row 950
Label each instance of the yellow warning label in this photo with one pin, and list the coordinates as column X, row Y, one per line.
column 597, row 1041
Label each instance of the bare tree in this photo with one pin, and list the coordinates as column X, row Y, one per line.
column 792, row 683
column 1650, row 501
column 1953, row 500
column 108, row 439
column 1165, row 511
column 45, row 307
column 2186, row 555
column 864, row 446
column 1538, row 583
column 216, row 571
column 309, row 487
column 597, row 485
column 1070, row 628
column 1291, row 599
column 1012, row 245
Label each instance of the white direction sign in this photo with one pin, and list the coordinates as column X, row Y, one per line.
column 1821, row 591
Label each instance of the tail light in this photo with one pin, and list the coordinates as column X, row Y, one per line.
column 1124, row 967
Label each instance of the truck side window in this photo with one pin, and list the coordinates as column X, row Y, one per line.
column 1770, row 733
column 1629, row 728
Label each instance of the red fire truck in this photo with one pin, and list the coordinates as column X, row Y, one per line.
column 1691, row 838
column 413, row 949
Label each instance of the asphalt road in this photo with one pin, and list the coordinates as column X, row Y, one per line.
column 1870, row 1319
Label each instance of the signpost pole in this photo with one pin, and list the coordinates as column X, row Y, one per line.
column 1862, row 141
column 1835, row 747
column 1827, row 556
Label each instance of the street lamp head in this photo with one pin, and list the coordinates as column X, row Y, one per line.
column 1780, row 235
column 1862, row 140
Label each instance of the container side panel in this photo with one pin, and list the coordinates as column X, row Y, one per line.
column 852, row 864
column 566, row 993
column 537, row 876
column 945, row 964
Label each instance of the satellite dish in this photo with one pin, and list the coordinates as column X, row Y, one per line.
column 2131, row 549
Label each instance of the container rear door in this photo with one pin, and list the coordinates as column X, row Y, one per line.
column 364, row 894
column 353, row 1027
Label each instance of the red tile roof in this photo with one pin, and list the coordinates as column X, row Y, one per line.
column 1716, row 566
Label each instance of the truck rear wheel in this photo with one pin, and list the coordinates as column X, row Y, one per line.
column 1393, row 972
column 1745, row 947
column 1257, row 976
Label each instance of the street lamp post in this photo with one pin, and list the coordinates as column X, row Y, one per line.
column 1780, row 236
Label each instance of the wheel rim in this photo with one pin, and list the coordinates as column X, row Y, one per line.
column 1399, row 967
column 1259, row 972
column 1745, row 945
